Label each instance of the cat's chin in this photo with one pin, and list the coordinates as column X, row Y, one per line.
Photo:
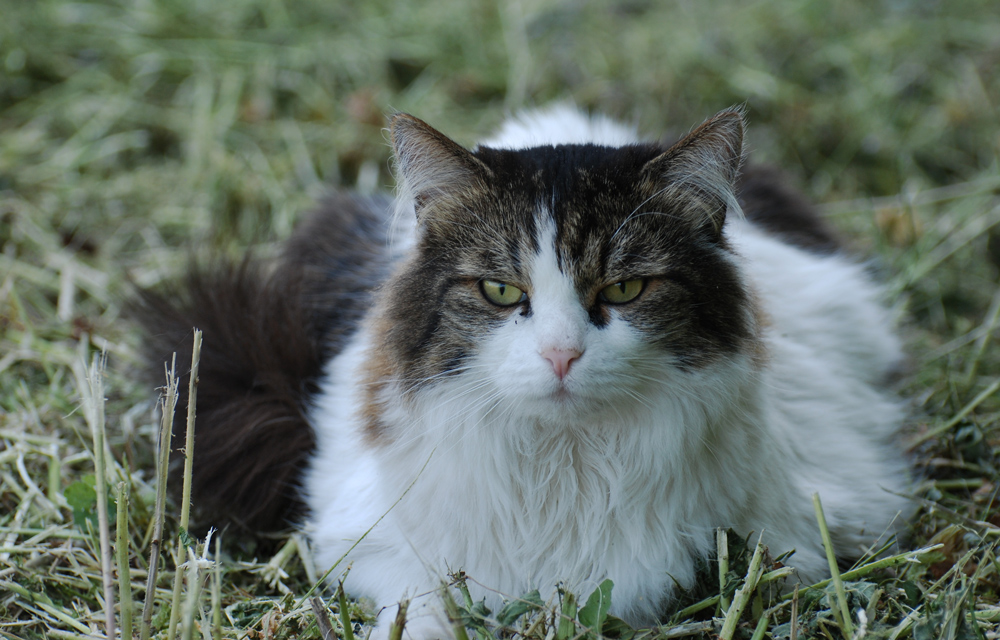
column 562, row 394
column 563, row 401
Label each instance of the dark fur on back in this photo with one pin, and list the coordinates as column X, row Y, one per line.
column 268, row 330
column 769, row 201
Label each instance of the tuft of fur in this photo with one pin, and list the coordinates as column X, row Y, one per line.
column 268, row 330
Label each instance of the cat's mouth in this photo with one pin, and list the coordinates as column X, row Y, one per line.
column 562, row 394
column 569, row 394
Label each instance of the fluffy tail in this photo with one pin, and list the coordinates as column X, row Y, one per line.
column 257, row 365
column 768, row 201
column 268, row 329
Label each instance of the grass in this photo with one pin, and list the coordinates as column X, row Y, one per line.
column 131, row 131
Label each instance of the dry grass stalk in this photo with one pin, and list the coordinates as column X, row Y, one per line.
column 175, row 602
column 399, row 623
column 189, row 436
column 192, row 601
column 168, row 405
column 722, row 556
column 742, row 595
column 217, row 591
column 841, row 612
column 122, row 554
column 90, row 381
column 326, row 631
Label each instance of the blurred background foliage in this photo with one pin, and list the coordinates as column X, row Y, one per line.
column 231, row 114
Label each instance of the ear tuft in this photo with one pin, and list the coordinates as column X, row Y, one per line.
column 431, row 166
column 703, row 167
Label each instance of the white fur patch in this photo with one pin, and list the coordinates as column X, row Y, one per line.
column 560, row 124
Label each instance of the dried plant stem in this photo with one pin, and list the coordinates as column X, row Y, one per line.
column 55, row 474
column 566, row 628
column 175, row 600
column 397, row 626
column 124, row 574
column 189, row 437
column 686, row 630
column 305, row 556
column 217, row 592
column 793, row 632
column 63, row 635
column 168, row 405
column 842, row 612
column 722, row 553
column 193, row 595
column 186, row 491
column 91, row 383
column 322, row 619
column 742, row 595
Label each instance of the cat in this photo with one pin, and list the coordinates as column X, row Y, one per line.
column 563, row 356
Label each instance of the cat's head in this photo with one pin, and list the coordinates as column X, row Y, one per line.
column 562, row 278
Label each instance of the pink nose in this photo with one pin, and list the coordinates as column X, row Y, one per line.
column 561, row 359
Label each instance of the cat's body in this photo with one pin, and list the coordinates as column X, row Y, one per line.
column 583, row 362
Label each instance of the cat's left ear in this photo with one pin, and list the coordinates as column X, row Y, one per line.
column 702, row 169
column 434, row 168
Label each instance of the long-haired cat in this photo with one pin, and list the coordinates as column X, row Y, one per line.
column 572, row 357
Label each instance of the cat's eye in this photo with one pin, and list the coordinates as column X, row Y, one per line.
column 501, row 293
column 622, row 292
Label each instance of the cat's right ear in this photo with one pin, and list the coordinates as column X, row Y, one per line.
column 702, row 169
column 433, row 168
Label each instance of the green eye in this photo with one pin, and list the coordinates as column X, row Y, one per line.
column 622, row 292
column 501, row 293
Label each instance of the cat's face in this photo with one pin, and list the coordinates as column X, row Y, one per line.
column 564, row 278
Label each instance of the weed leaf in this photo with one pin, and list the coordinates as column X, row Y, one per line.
column 517, row 608
column 593, row 614
column 617, row 628
column 82, row 498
